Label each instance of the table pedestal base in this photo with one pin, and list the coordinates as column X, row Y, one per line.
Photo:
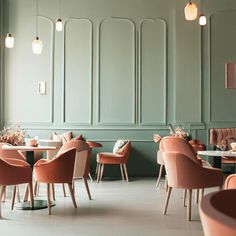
column 38, row 204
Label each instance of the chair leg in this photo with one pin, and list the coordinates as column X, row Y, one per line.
column 26, row 193
column 126, row 172
column 101, row 173
column 189, row 206
column 122, row 172
column 90, row 176
column 167, row 200
column 64, row 190
column 159, row 175
column 36, row 188
column 166, row 184
column 18, row 193
column 98, row 171
column 53, row 192
column 49, row 200
column 13, row 197
column 1, row 193
column 87, row 188
column 31, row 193
column 72, row 194
column 185, row 195
column 197, row 196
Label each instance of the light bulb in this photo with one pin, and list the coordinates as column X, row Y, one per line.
column 37, row 46
column 9, row 41
column 59, row 25
column 202, row 20
column 190, row 11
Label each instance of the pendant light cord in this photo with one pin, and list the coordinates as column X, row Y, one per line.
column 60, row 9
column 37, row 18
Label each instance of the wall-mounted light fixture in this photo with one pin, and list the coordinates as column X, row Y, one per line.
column 37, row 45
column 59, row 24
column 202, row 17
column 190, row 11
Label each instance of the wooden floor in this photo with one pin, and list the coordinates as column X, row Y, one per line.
column 117, row 208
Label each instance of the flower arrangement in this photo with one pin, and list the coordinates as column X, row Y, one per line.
column 13, row 135
column 179, row 132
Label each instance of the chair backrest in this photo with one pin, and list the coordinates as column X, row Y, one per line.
column 125, row 150
column 230, row 182
column 82, row 160
column 218, row 213
column 180, row 145
column 12, row 174
column 12, row 154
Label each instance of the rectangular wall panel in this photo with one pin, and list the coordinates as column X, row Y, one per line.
column 223, row 50
column 116, row 72
column 78, row 72
column 23, row 103
column 187, row 71
column 153, row 72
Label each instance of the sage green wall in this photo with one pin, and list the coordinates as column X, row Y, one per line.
column 120, row 69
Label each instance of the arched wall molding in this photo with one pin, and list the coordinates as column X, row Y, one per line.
column 89, row 122
column 152, row 20
column 214, row 121
column 134, row 89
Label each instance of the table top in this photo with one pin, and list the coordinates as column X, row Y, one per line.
column 28, row 148
column 217, row 153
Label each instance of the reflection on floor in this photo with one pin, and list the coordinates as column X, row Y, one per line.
column 117, row 208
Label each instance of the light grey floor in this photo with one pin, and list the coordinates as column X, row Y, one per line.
column 117, row 208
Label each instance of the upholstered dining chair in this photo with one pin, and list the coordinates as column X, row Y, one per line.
column 230, row 182
column 218, row 214
column 9, row 155
column 15, row 172
column 185, row 172
column 82, row 161
column 118, row 158
column 58, row 170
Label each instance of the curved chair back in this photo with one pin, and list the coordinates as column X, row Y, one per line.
column 180, row 145
column 59, row 170
column 183, row 172
column 230, row 182
column 124, row 151
column 82, row 160
column 218, row 214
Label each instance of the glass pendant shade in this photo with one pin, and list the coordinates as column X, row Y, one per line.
column 202, row 20
column 37, row 46
column 190, row 11
column 9, row 41
column 59, row 25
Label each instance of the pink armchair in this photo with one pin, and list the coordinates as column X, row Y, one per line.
column 186, row 173
column 14, row 172
column 218, row 214
column 57, row 170
column 119, row 158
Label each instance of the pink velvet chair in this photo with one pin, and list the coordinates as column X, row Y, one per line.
column 57, row 170
column 15, row 172
column 11, row 155
column 119, row 158
column 218, row 213
column 186, row 173
column 230, row 182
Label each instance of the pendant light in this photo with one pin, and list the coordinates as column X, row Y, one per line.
column 59, row 24
column 190, row 11
column 202, row 17
column 9, row 41
column 37, row 45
